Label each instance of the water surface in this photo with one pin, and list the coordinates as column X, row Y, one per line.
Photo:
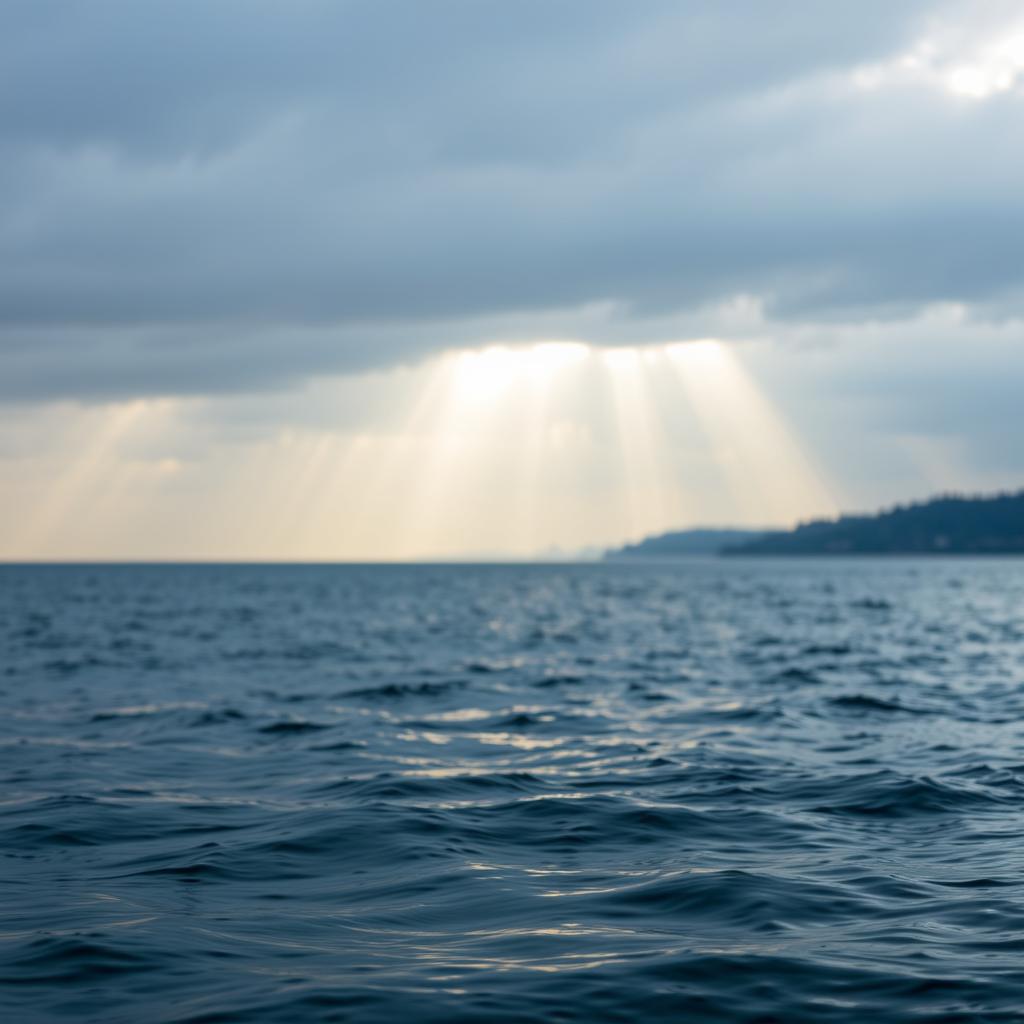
column 702, row 791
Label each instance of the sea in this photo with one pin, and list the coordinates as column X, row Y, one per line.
column 773, row 790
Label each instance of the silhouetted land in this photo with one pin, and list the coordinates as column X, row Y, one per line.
column 686, row 542
column 948, row 525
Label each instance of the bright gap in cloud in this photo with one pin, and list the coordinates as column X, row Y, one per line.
column 996, row 69
column 504, row 451
column 970, row 57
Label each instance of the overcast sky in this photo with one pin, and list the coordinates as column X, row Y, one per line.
column 258, row 221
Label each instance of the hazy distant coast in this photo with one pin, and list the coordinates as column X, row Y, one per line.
column 680, row 543
column 945, row 525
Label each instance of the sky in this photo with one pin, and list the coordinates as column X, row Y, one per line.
column 399, row 279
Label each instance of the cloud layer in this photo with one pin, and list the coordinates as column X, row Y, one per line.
column 201, row 197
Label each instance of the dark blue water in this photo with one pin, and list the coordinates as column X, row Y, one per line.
column 709, row 791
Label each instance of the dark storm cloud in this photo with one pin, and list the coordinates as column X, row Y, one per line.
column 221, row 196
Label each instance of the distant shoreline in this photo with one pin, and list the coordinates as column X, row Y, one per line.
column 944, row 526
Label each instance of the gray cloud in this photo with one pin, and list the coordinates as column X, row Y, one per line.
column 200, row 197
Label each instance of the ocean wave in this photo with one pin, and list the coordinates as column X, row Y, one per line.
column 716, row 792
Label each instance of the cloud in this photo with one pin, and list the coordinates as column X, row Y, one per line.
column 202, row 197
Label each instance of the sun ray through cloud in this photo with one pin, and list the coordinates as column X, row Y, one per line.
column 92, row 474
column 546, row 366
column 766, row 467
column 650, row 492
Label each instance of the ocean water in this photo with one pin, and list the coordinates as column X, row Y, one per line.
column 703, row 791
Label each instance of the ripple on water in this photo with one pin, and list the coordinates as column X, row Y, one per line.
column 702, row 791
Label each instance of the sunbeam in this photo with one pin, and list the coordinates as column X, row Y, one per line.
column 94, row 477
column 770, row 477
column 651, row 492
column 505, row 451
column 484, row 447
column 448, row 446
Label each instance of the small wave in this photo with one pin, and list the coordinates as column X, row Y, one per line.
column 291, row 727
column 143, row 710
column 827, row 650
column 522, row 720
column 186, row 872
column 219, row 717
column 35, row 834
column 559, row 679
column 743, row 898
column 881, row 795
column 797, row 674
column 866, row 702
column 65, row 960
column 72, row 666
column 487, row 667
column 341, row 745
column 392, row 691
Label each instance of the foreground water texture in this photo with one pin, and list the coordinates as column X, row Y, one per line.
column 708, row 791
